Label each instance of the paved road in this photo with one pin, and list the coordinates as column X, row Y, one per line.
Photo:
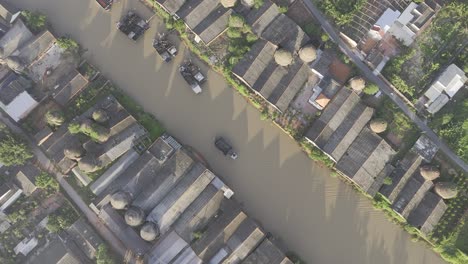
column 384, row 87
column 46, row 164
column 294, row 198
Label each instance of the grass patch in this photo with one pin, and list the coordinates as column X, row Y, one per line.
column 450, row 123
column 147, row 120
column 90, row 95
column 341, row 11
column 316, row 154
column 462, row 238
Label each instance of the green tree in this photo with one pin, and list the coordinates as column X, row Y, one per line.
column 53, row 224
column 74, row 128
column 45, row 181
column 55, row 118
column 282, row 9
column 258, row 3
column 13, row 151
column 234, row 33
column 68, row 44
column 371, row 89
column 324, row 37
column 103, row 255
column 236, row 21
column 388, row 181
column 401, row 85
column 34, row 20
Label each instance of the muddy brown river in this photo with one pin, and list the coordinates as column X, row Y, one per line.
column 319, row 217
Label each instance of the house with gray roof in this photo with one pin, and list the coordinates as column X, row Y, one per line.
column 124, row 132
column 285, row 33
column 422, row 152
column 341, row 132
column 365, row 159
column 25, row 178
column 17, row 35
column 444, row 88
column 199, row 213
column 219, row 231
column 34, row 48
column 404, row 170
column 339, row 124
column 267, row 253
column 271, row 25
column 428, row 213
column 258, row 18
column 15, row 99
column 171, row 6
column 425, row 148
column 277, row 84
column 188, row 207
column 242, row 242
column 181, row 196
column 173, row 249
column 206, row 18
column 411, row 195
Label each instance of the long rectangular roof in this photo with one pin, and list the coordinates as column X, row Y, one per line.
column 220, row 229
column 365, row 158
column 428, row 213
column 213, row 25
column 199, row 213
column 172, row 6
column 267, row 253
column 180, row 197
column 401, row 174
column 14, row 39
column 246, row 238
column 206, row 18
column 164, row 179
column 411, row 195
column 259, row 18
column 340, row 123
column 277, row 84
column 284, row 32
column 35, row 47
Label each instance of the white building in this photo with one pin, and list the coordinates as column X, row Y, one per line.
column 14, row 98
column 412, row 21
column 444, row 88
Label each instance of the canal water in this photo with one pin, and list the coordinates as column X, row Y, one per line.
column 294, row 198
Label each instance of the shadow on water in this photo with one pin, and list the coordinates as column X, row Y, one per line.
column 318, row 216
